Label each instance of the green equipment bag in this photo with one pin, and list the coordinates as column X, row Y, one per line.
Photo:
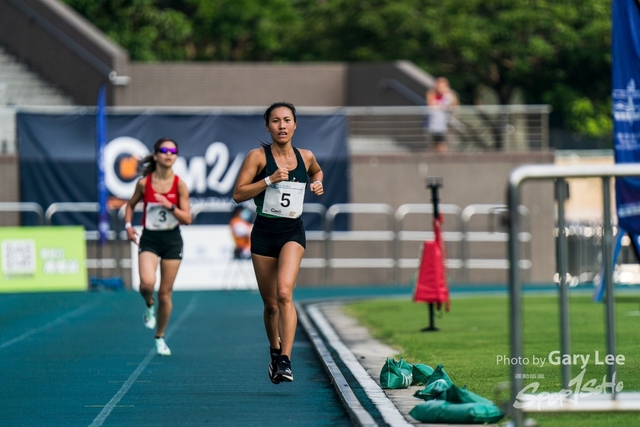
column 437, row 385
column 439, row 374
column 435, row 390
column 440, row 411
column 421, row 374
column 396, row 374
column 456, row 394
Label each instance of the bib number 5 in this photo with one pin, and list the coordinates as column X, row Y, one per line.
column 284, row 199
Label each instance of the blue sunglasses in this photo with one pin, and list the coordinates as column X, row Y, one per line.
column 167, row 150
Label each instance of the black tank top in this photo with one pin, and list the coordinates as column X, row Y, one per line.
column 299, row 174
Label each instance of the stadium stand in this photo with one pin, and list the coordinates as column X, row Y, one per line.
column 19, row 85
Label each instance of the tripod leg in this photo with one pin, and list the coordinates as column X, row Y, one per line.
column 432, row 326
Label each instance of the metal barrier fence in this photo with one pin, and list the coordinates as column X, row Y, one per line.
column 559, row 174
column 584, row 254
column 23, row 207
column 333, row 236
column 402, row 235
column 391, row 237
column 493, row 236
column 584, row 251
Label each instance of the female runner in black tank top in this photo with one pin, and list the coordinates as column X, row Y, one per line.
column 277, row 238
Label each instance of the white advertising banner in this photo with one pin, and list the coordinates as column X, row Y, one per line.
column 207, row 261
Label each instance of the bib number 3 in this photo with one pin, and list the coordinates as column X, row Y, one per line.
column 160, row 218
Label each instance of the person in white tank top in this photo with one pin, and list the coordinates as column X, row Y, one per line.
column 440, row 100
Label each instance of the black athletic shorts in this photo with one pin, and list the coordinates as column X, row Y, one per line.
column 167, row 244
column 439, row 137
column 269, row 235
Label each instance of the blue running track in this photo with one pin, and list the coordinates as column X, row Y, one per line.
column 85, row 359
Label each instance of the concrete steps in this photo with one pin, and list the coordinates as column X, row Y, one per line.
column 20, row 86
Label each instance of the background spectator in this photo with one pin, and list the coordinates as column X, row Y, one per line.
column 440, row 100
column 240, row 225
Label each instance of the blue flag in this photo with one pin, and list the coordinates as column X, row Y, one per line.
column 101, row 139
column 625, row 71
column 626, row 107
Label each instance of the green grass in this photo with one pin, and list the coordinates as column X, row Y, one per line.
column 475, row 334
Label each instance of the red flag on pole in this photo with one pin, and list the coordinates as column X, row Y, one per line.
column 431, row 284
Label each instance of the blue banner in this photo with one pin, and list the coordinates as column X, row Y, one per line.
column 626, row 107
column 625, row 71
column 101, row 139
column 58, row 160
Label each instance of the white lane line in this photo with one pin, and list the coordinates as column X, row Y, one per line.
column 388, row 410
column 78, row 311
column 357, row 413
column 106, row 411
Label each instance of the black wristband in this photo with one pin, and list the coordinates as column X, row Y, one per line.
column 173, row 208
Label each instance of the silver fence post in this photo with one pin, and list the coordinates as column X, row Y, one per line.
column 561, row 260
column 515, row 292
column 328, row 249
column 607, row 259
column 464, row 246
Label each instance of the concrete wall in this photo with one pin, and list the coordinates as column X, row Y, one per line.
column 390, row 83
column 10, row 188
column 61, row 46
column 235, row 84
column 260, row 84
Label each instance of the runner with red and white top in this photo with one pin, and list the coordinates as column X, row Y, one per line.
column 166, row 205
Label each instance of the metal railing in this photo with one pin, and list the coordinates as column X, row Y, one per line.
column 584, row 244
column 559, row 174
column 90, row 235
column 403, row 235
column 492, row 236
column 403, row 128
column 199, row 208
column 23, row 207
column 317, row 209
column 387, row 235
column 471, row 128
column 393, row 234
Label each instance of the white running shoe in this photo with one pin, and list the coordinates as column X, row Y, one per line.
column 162, row 348
column 149, row 318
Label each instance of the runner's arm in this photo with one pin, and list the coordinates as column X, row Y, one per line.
column 244, row 188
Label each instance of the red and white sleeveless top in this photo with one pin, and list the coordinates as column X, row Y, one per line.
column 155, row 216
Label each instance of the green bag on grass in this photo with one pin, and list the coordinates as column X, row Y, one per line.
column 437, row 385
column 421, row 374
column 439, row 374
column 396, row 374
column 456, row 394
column 440, row 411
column 436, row 390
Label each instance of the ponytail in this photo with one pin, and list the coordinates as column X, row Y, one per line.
column 148, row 165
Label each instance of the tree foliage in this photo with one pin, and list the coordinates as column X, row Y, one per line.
column 552, row 52
column 147, row 32
column 244, row 30
column 555, row 52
